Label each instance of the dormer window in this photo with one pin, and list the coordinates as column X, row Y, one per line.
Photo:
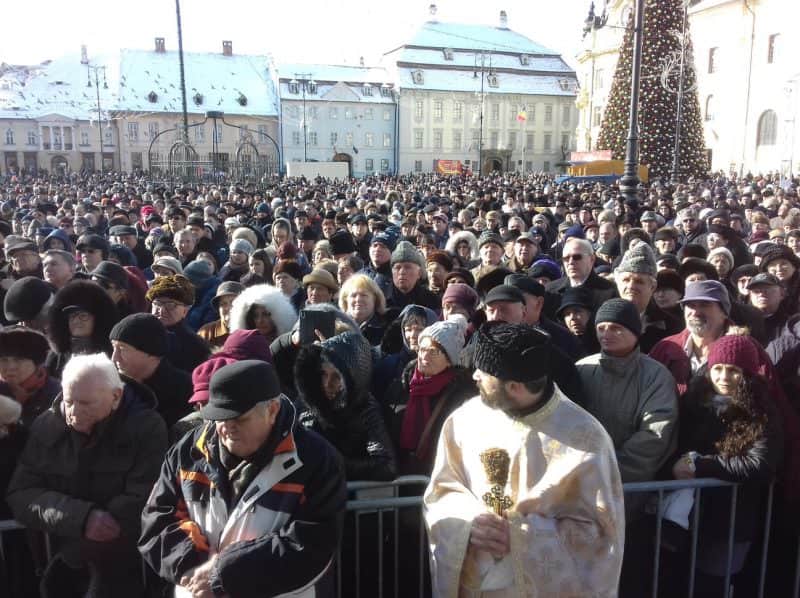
column 242, row 99
column 524, row 59
column 448, row 53
column 198, row 99
column 366, row 90
column 564, row 84
column 417, row 77
column 312, row 87
column 152, row 97
column 386, row 90
column 294, row 87
column 491, row 79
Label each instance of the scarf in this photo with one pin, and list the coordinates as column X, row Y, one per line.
column 422, row 391
column 30, row 386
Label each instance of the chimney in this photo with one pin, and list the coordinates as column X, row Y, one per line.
column 503, row 20
column 84, row 55
column 361, row 61
column 160, row 47
column 227, row 48
column 432, row 9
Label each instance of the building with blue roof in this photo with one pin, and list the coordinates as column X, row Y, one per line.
column 481, row 93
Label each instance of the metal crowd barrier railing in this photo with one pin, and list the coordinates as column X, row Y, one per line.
column 384, row 552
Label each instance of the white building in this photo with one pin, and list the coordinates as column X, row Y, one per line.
column 748, row 80
column 470, row 89
column 339, row 113
column 63, row 114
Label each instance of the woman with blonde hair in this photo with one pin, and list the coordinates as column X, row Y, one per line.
column 362, row 299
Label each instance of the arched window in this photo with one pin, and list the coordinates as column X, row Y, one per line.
column 767, row 128
column 710, row 107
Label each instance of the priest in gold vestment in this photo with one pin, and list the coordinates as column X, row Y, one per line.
column 561, row 524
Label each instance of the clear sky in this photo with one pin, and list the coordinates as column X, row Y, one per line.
column 328, row 31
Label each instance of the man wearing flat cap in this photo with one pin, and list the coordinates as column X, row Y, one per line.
column 523, row 479
column 249, row 504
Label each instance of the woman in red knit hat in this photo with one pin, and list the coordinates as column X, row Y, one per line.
column 729, row 430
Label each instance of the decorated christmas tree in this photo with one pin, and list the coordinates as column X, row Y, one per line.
column 658, row 96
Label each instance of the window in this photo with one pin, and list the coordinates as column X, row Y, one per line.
column 418, row 138
column 311, row 88
column 418, row 109
column 417, row 77
column 437, row 110
column 386, row 90
column 565, row 142
column 368, row 165
column 312, row 112
column 369, row 139
column 56, row 137
column 458, row 111
column 32, row 138
column 531, row 113
column 417, row 165
column 152, row 130
column 456, row 140
column 84, row 138
column 710, row 107
column 448, row 53
column 387, row 140
column 333, row 113
column 772, row 48
column 528, row 165
column 767, row 128
column 292, row 111
column 494, row 137
column 599, row 75
column 384, row 165
column 566, row 113
column 200, row 133
column 548, row 142
column 295, row 137
column 348, row 139
column 529, row 141
column 512, row 140
column 546, row 166
column 133, row 131
column 312, row 138
column 512, row 112
column 217, row 133
column 367, row 113
column 108, row 136
column 491, row 80
column 294, row 87
column 387, row 115
column 262, row 134
column 495, row 112
column 334, row 139
column 437, row 139
column 476, row 137
column 349, row 114
column 366, row 90
column 136, row 160
column 524, row 59
column 548, row 114
column 713, row 58
column 9, row 137
column 597, row 116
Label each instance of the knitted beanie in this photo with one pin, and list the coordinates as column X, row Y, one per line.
column 461, row 294
column 449, row 335
column 622, row 312
column 735, row 350
column 289, row 267
column 489, row 237
column 176, row 287
column 199, row 271
column 724, row 251
column 242, row 245
column 512, row 351
column 144, row 332
column 406, row 252
column 639, row 260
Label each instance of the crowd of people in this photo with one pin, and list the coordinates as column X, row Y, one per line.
column 190, row 374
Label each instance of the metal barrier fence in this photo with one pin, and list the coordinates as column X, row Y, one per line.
column 384, row 551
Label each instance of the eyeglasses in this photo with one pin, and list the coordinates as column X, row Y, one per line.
column 575, row 257
column 165, row 305
column 81, row 316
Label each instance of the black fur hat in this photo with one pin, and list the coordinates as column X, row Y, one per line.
column 513, row 351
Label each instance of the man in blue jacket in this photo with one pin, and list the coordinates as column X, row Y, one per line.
column 249, row 504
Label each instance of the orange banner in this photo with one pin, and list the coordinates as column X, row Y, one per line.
column 448, row 166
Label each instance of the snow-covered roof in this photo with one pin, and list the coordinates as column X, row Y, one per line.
column 237, row 84
column 453, row 80
column 434, row 34
column 334, row 73
column 430, row 56
column 340, row 83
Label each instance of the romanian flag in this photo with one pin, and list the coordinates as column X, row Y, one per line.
column 522, row 116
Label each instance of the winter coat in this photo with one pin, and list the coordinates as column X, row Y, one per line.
column 203, row 312
column 62, row 236
column 420, row 462
column 701, row 427
column 419, row 295
column 279, row 538
column 172, row 388
column 61, row 478
column 656, row 324
column 784, row 352
column 214, row 333
column 601, row 291
column 456, row 238
column 355, row 427
column 281, row 311
column 186, row 350
column 635, row 399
